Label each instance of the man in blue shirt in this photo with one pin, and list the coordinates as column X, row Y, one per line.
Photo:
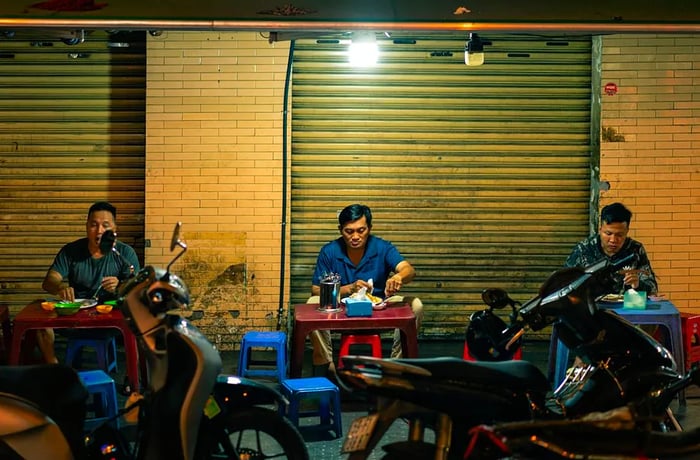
column 82, row 271
column 358, row 257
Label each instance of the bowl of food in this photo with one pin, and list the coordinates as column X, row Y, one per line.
column 67, row 308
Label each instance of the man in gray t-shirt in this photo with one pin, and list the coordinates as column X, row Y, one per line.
column 81, row 270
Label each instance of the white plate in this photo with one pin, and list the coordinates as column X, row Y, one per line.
column 84, row 303
column 613, row 298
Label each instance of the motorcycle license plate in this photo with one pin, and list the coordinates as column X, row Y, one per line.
column 360, row 431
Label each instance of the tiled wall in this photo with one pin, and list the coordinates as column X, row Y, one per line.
column 649, row 153
column 214, row 151
column 213, row 160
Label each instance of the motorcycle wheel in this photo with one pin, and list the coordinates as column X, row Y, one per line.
column 257, row 433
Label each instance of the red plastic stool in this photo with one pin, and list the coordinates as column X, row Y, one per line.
column 347, row 340
column 690, row 324
column 517, row 356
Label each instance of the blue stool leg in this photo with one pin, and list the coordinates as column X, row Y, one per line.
column 281, row 361
column 558, row 358
column 242, row 359
column 562, row 363
column 293, row 413
column 324, row 408
column 337, row 415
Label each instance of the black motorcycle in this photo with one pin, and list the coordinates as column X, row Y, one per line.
column 188, row 410
column 618, row 365
column 618, row 434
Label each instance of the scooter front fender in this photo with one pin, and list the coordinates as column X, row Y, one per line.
column 235, row 391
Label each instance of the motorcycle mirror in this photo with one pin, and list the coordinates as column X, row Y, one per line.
column 496, row 298
column 175, row 241
column 107, row 241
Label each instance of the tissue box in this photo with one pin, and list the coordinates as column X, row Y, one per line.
column 635, row 299
column 358, row 307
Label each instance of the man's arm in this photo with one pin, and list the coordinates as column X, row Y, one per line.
column 53, row 284
column 403, row 274
column 647, row 278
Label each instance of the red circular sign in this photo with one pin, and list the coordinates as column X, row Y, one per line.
column 610, row 89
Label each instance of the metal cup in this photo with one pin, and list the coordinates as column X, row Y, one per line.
column 330, row 294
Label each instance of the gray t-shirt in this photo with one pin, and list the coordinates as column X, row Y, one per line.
column 84, row 273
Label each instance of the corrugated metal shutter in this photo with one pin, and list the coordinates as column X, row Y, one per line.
column 479, row 175
column 72, row 131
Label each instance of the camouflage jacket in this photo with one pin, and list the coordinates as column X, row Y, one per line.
column 590, row 251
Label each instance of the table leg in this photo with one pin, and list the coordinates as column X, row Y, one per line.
column 15, row 349
column 297, row 352
column 409, row 342
column 132, row 358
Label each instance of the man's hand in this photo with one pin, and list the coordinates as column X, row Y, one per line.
column 359, row 284
column 632, row 279
column 110, row 283
column 393, row 285
column 66, row 293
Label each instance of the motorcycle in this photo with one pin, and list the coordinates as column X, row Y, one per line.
column 618, row 365
column 618, row 434
column 187, row 411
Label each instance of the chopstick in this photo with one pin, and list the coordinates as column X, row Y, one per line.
column 633, row 270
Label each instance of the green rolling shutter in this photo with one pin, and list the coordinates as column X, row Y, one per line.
column 72, row 131
column 479, row 175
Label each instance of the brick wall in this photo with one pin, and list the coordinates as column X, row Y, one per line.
column 213, row 160
column 648, row 153
column 214, row 150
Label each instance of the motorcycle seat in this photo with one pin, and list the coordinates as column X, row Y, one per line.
column 519, row 375
column 56, row 390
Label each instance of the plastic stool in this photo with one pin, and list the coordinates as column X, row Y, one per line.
column 349, row 339
column 103, row 398
column 691, row 338
column 253, row 339
column 105, row 347
column 328, row 396
column 517, row 356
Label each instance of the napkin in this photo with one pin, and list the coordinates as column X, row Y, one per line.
column 635, row 299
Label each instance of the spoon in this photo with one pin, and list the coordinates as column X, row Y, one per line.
column 94, row 296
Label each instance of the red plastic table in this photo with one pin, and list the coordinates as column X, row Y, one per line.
column 308, row 318
column 34, row 317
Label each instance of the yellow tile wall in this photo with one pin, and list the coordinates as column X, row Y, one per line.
column 651, row 162
column 214, row 151
column 214, row 108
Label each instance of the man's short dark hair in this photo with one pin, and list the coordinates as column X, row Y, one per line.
column 354, row 212
column 616, row 212
column 103, row 206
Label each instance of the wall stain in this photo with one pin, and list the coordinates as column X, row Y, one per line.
column 216, row 293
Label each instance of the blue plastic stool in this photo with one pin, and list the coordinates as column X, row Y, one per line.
column 103, row 398
column 105, row 349
column 253, row 339
column 321, row 389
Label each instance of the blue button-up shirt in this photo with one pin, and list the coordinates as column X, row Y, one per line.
column 379, row 261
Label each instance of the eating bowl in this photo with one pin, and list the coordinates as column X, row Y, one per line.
column 67, row 308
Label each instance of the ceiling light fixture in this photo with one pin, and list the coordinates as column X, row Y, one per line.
column 363, row 51
column 474, row 50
